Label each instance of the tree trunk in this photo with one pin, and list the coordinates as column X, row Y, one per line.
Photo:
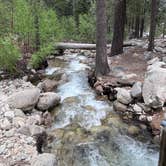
column 102, row 67
column 119, row 26
column 137, row 25
column 36, row 24
column 164, row 27
column 76, row 15
column 142, row 27
column 154, row 8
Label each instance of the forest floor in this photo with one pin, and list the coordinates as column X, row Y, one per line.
column 131, row 65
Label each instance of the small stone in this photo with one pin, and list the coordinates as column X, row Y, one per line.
column 19, row 113
column 9, row 114
column 143, row 118
column 10, row 133
column 2, row 149
column 5, row 124
column 24, row 130
column 44, row 159
column 25, row 78
column 149, row 118
column 34, row 129
column 137, row 109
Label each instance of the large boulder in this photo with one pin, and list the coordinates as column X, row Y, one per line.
column 45, row 159
column 123, row 96
column 154, row 87
column 48, row 100
column 25, row 100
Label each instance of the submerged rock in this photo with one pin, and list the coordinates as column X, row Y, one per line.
column 133, row 130
column 25, row 100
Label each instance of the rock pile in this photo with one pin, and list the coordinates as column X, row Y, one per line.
column 144, row 101
column 20, row 121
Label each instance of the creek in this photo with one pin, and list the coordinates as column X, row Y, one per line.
column 88, row 132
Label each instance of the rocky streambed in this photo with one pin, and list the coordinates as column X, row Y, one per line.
column 82, row 131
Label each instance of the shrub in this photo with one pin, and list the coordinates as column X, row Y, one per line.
column 38, row 57
column 9, row 54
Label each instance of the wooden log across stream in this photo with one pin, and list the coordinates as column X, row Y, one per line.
column 64, row 45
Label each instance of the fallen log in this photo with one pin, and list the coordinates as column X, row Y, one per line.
column 63, row 46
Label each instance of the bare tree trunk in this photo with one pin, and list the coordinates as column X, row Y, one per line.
column 102, row 67
column 76, row 15
column 119, row 26
column 137, row 25
column 36, row 24
column 142, row 27
column 164, row 29
column 154, row 9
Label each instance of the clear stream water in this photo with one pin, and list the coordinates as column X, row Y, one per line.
column 87, row 111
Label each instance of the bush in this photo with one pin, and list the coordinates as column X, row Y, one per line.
column 9, row 54
column 38, row 57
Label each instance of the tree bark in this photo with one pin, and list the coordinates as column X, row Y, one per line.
column 137, row 25
column 119, row 26
column 154, row 8
column 36, row 23
column 102, row 67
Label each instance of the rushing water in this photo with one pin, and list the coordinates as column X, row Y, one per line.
column 80, row 106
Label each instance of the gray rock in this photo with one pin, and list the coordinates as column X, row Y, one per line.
column 9, row 114
column 136, row 91
column 137, row 109
column 48, row 100
column 25, row 78
column 119, row 106
column 5, row 124
column 24, row 130
column 34, row 129
column 148, row 55
column 154, row 87
column 154, row 60
column 19, row 113
column 44, row 159
column 133, row 130
column 10, row 133
column 25, row 100
column 123, row 96
column 49, row 85
column 2, row 149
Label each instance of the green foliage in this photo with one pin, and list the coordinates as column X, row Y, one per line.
column 9, row 54
column 68, row 28
column 86, row 28
column 38, row 57
column 49, row 27
column 23, row 19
